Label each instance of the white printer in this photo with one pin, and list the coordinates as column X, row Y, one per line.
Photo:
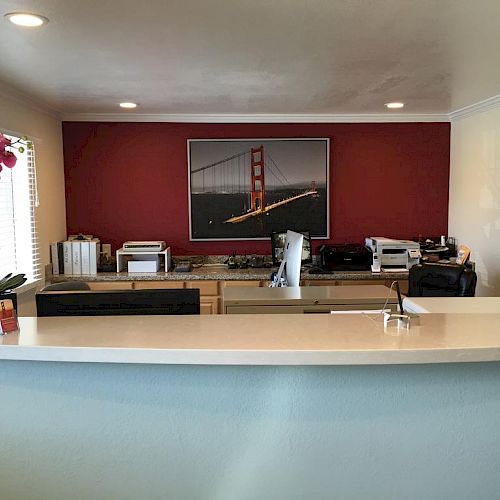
column 392, row 254
column 144, row 246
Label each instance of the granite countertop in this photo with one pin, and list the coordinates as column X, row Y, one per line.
column 220, row 272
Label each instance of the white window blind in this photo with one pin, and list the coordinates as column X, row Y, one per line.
column 19, row 252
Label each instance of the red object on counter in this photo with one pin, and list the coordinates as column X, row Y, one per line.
column 8, row 317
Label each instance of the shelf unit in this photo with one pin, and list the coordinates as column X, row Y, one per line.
column 165, row 258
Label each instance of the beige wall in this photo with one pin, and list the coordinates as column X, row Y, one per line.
column 474, row 215
column 18, row 117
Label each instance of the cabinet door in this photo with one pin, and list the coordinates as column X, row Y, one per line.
column 110, row 285
column 205, row 287
column 209, row 305
column 321, row 282
column 152, row 285
column 249, row 283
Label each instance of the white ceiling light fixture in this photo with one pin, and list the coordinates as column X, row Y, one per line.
column 395, row 105
column 26, row 19
column 128, row 105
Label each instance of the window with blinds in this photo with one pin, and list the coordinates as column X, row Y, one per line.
column 18, row 200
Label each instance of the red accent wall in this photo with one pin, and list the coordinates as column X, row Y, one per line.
column 128, row 181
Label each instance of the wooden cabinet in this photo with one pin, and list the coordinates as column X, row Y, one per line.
column 111, row 285
column 209, row 305
column 154, row 285
column 250, row 283
column 320, row 282
column 211, row 290
column 209, row 295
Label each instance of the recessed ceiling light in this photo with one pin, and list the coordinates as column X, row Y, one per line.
column 26, row 19
column 394, row 105
column 128, row 105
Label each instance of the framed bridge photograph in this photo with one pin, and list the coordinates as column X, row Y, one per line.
column 241, row 189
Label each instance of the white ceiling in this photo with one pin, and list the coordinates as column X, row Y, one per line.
column 254, row 56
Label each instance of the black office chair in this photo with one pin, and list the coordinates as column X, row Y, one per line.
column 66, row 286
column 441, row 280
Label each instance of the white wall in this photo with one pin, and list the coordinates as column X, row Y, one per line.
column 474, row 215
column 21, row 117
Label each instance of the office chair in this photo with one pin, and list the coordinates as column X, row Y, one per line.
column 441, row 280
column 66, row 286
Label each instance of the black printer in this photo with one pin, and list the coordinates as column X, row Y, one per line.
column 348, row 257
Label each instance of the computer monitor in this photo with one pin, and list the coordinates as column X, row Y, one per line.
column 292, row 258
column 118, row 302
column 278, row 247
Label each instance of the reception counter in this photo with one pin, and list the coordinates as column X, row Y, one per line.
column 471, row 305
column 206, row 408
column 277, row 339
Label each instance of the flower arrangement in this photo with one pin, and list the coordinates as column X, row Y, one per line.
column 7, row 148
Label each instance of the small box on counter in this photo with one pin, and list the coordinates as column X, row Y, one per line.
column 151, row 265
column 8, row 317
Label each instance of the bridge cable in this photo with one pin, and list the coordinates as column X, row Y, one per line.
column 278, row 169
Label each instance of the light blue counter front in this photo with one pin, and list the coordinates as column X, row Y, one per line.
column 111, row 431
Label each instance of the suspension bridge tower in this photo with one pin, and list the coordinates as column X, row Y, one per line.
column 258, row 183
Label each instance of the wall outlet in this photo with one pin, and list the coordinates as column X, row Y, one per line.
column 106, row 249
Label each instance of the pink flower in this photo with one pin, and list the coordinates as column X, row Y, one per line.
column 7, row 150
column 4, row 142
column 8, row 159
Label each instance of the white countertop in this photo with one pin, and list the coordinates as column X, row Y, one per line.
column 419, row 305
column 255, row 340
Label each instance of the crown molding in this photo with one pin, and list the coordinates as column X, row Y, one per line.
column 254, row 118
column 478, row 107
column 27, row 100
column 390, row 117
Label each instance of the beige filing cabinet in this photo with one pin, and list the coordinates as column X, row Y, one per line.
column 303, row 300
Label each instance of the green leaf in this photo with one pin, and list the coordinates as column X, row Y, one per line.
column 8, row 283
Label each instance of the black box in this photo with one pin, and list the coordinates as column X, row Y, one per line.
column 349, row 257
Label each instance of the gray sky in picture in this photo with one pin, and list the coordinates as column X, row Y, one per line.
column 301, row 161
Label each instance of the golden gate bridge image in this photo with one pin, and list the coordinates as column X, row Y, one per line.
column 246, row 172
column 241, row 189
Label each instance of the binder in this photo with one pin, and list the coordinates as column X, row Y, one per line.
column 68, row 257
column 60, row 256
column 77, row 256
column 57, row 257
column 85, row 256
column 54, row 257
column 95, row 248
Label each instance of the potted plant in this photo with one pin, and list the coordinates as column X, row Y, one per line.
column 9, row 283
